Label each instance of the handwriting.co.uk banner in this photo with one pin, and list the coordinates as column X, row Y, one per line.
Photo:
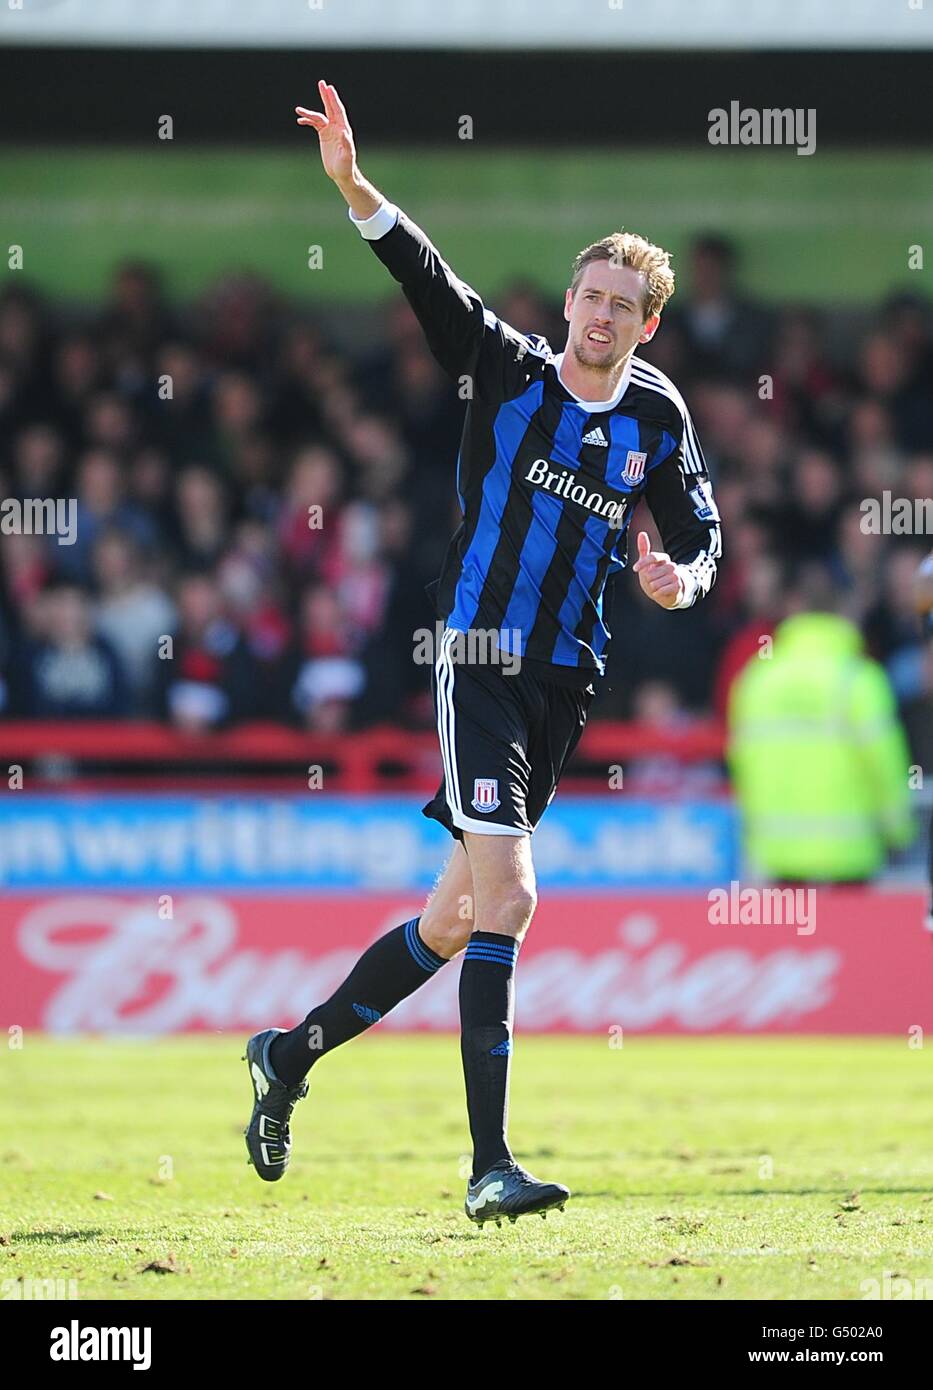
column 77, row 962
column 375, row 843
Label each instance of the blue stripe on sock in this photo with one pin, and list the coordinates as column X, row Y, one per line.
column 480, row 953
column 506, row 952
column 425, row 957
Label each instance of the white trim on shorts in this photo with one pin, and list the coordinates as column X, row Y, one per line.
column 444, row 670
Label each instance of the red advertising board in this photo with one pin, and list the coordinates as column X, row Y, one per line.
column 856, row 962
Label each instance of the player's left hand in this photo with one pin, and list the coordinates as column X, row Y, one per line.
column 657, row 573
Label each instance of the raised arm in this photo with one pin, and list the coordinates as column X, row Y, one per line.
column 338, row 153
column 464, row 337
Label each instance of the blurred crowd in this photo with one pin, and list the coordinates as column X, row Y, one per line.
column 261, row 498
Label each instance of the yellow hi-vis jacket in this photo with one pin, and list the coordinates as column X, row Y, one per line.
column 818, row 758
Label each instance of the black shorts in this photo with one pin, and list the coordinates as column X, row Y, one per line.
column 505, row 740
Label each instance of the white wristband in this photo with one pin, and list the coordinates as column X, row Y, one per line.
column 382, row 221
column 690, row 586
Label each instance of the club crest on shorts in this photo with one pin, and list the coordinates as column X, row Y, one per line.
column 634, row 469
column 485, row 794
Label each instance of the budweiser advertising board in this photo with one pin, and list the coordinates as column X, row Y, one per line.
column 841, row 961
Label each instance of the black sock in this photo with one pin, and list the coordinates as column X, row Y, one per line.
column 486, row 1009
column 391, row 969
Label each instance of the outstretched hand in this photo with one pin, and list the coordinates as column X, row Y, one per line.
column 657, row 573
column 338, row 152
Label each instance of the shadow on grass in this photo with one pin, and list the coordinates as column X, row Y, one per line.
column 54, row 1237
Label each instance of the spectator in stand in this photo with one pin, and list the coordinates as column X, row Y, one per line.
column 254, row 477
column 66, row 671
column 136, row 318
column 39, row 462
column 294, row 414
column 309, row 520
column 722, row 415
column 327, row 673
column 133, row 614
column 751, row 540
column 237, row 416
column 207, row 680
column 7, row 693
column 77, row 374
column 524, row 306
column 875, row 456
column 397, row 688
column 252, row 592
column 180, row 409
column 25, row 572
column 918, row 476
column 375, row 374
column 338, row 398
column 725, row 334
column 24, row 389
column 893, row 635
column 856, row 563
column 109, row 424
column 762, row 457
column 657, row 705
column 237, row 318
column 201, row 517
column 356, row 570
column 907, row 317
column 149, row 490
column 102, row 506
column 808, row 398
column 814, row 504
column 378, row 454
column 761, row 609
column 888, row 374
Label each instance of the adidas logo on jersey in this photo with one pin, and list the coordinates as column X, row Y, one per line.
column 596, row 436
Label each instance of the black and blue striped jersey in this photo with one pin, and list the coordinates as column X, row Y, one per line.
column 547, row 483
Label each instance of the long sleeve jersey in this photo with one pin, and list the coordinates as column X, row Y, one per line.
column 547, row 482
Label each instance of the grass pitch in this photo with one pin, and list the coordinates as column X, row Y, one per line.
column 701, row 1168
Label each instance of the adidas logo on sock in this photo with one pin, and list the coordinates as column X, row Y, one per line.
column 596, row 436
column 367, row 1014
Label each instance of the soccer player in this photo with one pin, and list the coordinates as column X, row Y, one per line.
column 557, row 449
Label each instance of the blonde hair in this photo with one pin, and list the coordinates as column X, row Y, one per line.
column 630, row 249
